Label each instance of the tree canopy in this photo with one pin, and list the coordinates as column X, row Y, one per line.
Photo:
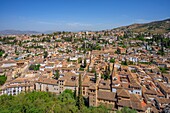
column 34, row 67
column 2, row 79
column 1, row 52
column 56, row 74
column 126, row 110
column 44, row 102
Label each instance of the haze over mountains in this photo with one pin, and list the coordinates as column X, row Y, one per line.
column 17, row 32
column 160, row 27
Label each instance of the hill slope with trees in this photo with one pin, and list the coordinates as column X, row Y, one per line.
column 45, row 102
column 156, row 27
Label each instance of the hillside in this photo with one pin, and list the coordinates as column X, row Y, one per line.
column 17, row 32
column 155, row 27
column 45, row 102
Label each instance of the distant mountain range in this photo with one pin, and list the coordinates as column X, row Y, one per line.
column 160, row 27
column 17, row 32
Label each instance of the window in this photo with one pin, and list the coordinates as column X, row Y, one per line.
column 47, row 89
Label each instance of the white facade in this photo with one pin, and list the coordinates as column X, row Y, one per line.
column 47, row 87
column 135, row 91
column 69, row 87
column 13, row 90
column 73, row 58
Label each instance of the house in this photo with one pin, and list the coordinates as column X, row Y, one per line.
column 68, row 81
column 92, row 95
column 132, row 101
column 18, row 85
column 86, row 83
column 47, row 85
column 104, row 85
column 165, row 89
column 166, row 78
column 7, row 64
column 107, row 99
column 121, row 50
column 162, row 65
column 161, row 103
column 135, row 88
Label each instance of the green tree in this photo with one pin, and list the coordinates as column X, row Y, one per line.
column 1, row 52
column 93, row 70
column 126, row 110
column 112, row 60
column 108, row 68
column 79, row 60
column 85, row 63
column 56, row 74
column 95, row 74
column 163, row 70
column 88, row 69
column 34, row 67
column 66, row 93
column 99, row 109
column 106, row 75
column 75, row 92
column 124, row 62
column 162, row 47
column 44, row 102
column 80, row 100
column 45, row 54
column 2, row 79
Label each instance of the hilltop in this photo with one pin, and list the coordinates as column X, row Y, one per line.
column 155, row 27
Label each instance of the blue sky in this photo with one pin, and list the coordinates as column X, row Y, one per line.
column 75, row 15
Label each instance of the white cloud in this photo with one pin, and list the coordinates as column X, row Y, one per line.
column 48, row 23
column 76, row 24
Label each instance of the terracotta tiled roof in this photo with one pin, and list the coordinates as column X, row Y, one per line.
column 92, row 86
column 47, row 81
column 71, row 83
column 164, row 87
column 163, row 100
column 124, row 102
column 134, row 103
column 123, row 93
column 110, row 96
column 71, row 79
column 104, row 84
column 135, row 98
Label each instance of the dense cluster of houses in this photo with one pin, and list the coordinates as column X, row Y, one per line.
column 135, row 77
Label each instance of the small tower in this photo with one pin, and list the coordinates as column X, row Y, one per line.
column 92, row 95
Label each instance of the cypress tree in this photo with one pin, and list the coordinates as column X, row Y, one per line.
column 95, row 77
column 75, row 92
column 56, row 75
column 109, row 68
column 162, row 49
column 85, row 63
column 80, row 97
column 88, row 68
